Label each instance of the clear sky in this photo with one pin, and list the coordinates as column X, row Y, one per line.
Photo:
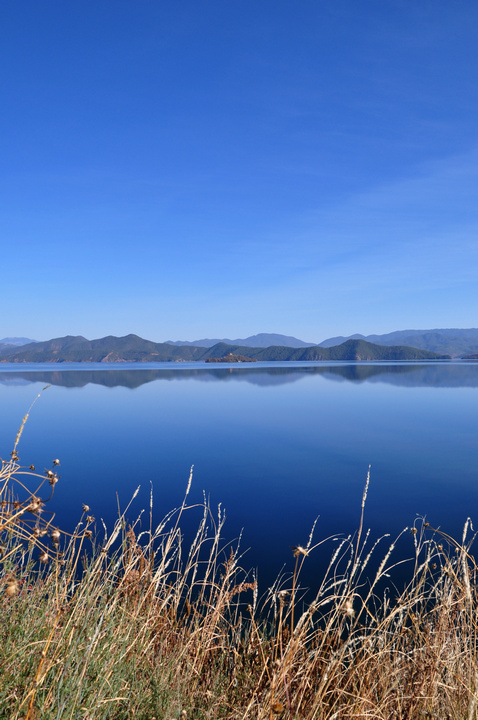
column 217, row 168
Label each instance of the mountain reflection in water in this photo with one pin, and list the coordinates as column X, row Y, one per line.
column 276, row 444
column 412, row 375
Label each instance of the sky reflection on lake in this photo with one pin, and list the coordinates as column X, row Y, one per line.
column 276, row 446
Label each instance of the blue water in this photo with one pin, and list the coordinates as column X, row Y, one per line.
column 277, row 445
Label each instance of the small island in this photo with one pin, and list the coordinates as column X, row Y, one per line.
column 231, row 358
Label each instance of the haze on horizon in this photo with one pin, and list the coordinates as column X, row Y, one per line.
column 221, row 169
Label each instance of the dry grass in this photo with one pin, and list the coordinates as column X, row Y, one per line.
column 136, row 625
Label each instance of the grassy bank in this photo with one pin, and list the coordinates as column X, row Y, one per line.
column 130, row 623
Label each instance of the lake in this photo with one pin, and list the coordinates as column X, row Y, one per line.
column 277, row 445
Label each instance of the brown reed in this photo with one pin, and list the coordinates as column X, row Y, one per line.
column 133, row 623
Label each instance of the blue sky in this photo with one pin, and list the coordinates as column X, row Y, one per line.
column 219, row 168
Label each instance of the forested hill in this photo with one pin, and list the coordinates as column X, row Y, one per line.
column 75, row 348
column 351, row 350
column 132, row 348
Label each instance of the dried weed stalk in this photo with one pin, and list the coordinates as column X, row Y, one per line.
column 135, row 623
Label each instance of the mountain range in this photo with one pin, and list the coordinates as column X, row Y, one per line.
column 132, row 348
column 261, row 340
column 450, row 341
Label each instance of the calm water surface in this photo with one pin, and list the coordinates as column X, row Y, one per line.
column 277, row 445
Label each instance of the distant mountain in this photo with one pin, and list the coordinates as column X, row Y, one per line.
column 132, row 348
column 16, row 341
column 339, row 339
column 450, row 341
column 261, row 340
column 10, row 343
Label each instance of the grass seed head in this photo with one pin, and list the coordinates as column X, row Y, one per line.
column 348, row 608
column 35, row 506
column 12, row 587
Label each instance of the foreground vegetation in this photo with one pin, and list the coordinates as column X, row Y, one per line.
column 133, row 624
